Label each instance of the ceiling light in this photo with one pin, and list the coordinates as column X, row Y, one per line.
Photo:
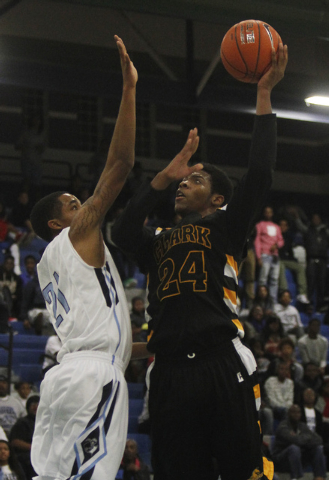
column 317, row 100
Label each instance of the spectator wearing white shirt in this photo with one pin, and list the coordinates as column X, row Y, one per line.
column 10, row 408
column 289, row 315
column 280, row 392
column 313, row 347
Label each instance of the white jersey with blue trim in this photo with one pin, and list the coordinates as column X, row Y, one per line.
column 88, row 305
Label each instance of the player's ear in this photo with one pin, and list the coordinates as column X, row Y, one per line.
column 55, row 224
column 217, row 200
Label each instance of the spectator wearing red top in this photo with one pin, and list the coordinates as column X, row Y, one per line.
column 267, row 243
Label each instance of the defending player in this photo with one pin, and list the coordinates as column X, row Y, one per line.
column 204, row 393
column 82, row 418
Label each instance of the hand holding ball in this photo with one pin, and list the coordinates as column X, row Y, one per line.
column 246, row 50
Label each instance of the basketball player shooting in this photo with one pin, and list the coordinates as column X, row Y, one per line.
column 81, row 423
column 204, row 394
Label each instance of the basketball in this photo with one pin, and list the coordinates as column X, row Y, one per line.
column 246, row 50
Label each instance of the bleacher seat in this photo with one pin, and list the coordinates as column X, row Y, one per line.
column 135, row 406
column 25, row 341
column 144, row 446
column 135, row 390
column 21, row 356
column 30, row 372
column 133, row 424
column 19, row 327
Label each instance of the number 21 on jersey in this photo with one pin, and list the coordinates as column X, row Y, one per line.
column 52, row 294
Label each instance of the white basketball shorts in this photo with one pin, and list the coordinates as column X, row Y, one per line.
column 81, row 424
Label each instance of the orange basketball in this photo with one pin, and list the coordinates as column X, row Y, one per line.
column 246, row 49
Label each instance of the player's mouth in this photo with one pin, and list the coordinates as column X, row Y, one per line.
column 179, row 195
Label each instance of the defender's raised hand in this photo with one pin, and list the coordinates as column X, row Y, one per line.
column 129, row 72
column 178, row 168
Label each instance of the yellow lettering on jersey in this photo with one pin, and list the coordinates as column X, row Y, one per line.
column 175, row 238
column 202, row 236
column 184, row 234
column 188, row 234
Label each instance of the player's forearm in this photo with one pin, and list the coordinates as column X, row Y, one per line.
column 20, row 444
column 263, row 104
column 122, row 148
column 161, row 181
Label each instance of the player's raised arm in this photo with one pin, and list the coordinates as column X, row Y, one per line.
column 270, row 79
column 120, row 159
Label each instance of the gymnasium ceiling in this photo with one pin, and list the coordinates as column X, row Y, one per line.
column 68, row 45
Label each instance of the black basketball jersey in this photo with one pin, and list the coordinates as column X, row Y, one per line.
column 193, row 268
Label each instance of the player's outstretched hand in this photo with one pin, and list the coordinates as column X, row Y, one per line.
column 129, row 72
column 178, row 168
column 276, row 72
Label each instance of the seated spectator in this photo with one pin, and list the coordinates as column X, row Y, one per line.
column 263, row 299
column 310, row 415
column 289, row 315
column 138, row 311
column 52, row 347
column 312, row 379
column 21, row 436
column 33, row 309
column 20, row 213
column 272, row 335
column 322, row 403
column 257, row 318
column 10, row 408
column 132, row 466
column 296, row 445
column 22, row 391
column 280, row 392
column 10, row 468
column 287, row 260
column 287, row 356
column 9, row 279
column 313, row 347
column 267, row 242
column 30, row 272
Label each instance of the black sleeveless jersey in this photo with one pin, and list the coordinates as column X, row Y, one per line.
column 193, row 268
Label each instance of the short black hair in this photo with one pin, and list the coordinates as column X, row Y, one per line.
column 30, row 257
column 220, row 182
column 46, row 209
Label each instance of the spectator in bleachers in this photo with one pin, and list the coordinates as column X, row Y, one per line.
column 296, row 445
column 9, row 279
column 272, row 335
column 289, row 315
column 257, row 318
column 21, row 436
column 310, row 415
column 138, row 311
column 52, row 347
column 287, row 356
column 312, row 379
column 11, row 236
column 20, row 213
column 267, row 242
column 322, row 403
column 132, row 466
column 316, row 240
column 33, row 311
column 9, row 465
column 287, row 260
column 22, row 391
column 31, row 143
column 313, row 347
column 280, row 391
column 10, row 408
column 262, row 360
column 30, row 271
column 263, row 299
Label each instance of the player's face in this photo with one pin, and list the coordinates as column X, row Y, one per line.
column 70, row 207
column 194, row 194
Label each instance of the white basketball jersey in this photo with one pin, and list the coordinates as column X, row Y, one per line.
column 88, row 305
